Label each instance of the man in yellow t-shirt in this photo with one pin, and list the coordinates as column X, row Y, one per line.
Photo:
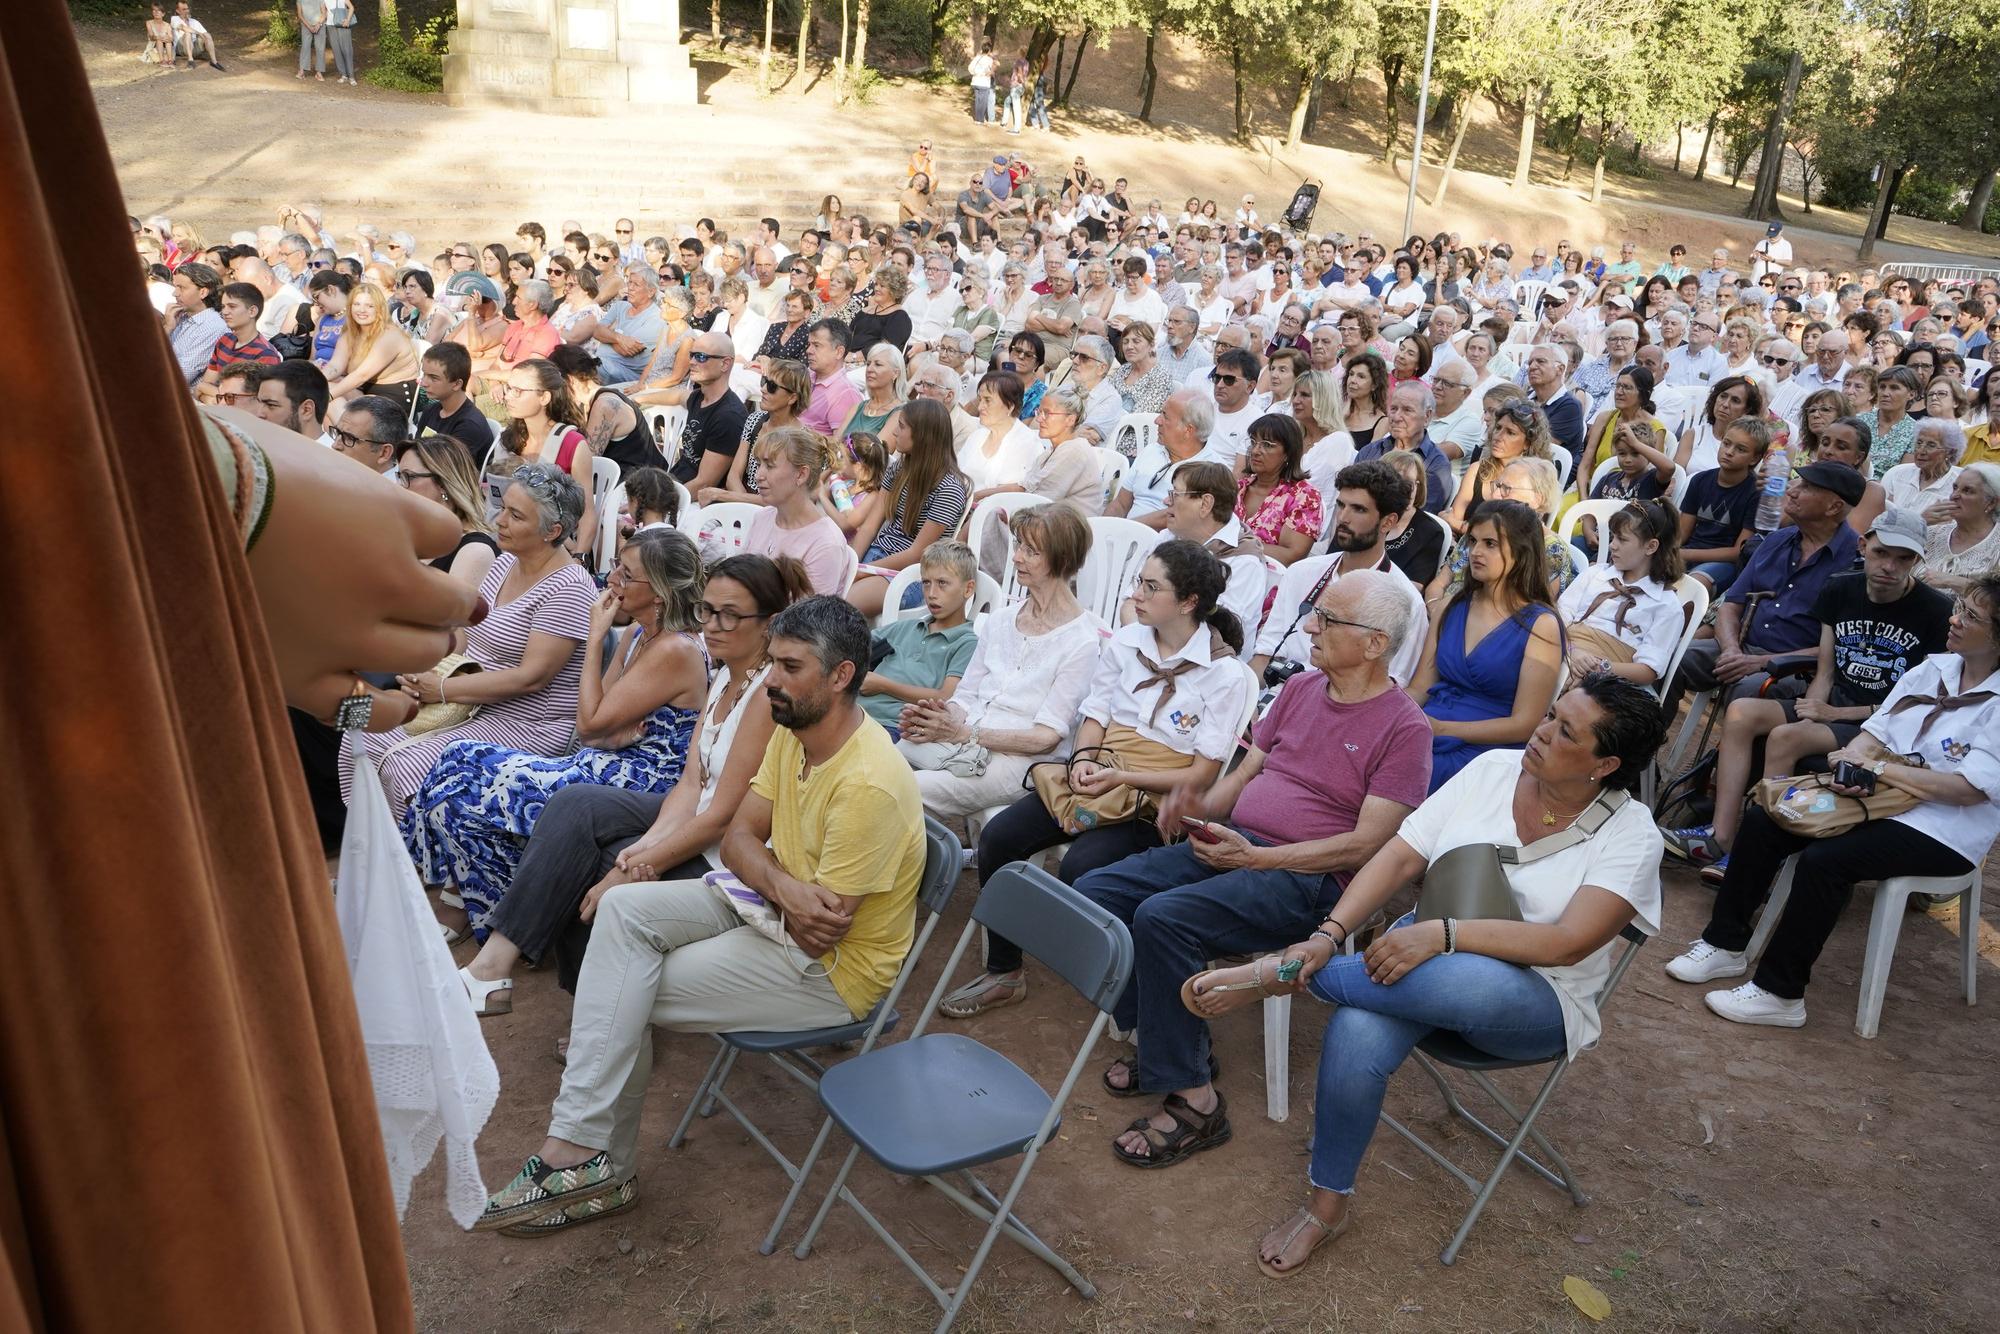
column 831, row 834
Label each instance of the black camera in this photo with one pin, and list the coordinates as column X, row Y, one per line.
column 1280, row 670
column 1849, row 774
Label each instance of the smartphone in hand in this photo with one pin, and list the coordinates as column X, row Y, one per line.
column 1200, row 830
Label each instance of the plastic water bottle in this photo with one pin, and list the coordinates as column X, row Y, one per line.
column 1771, row 500
column 841, row 492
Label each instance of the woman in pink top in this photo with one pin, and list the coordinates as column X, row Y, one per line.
column 790, row 461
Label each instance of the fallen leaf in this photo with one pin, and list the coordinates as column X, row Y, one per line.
column 1586, row 1298
column 1707, row 1129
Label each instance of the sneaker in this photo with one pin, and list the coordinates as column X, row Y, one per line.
column 1751, row 1004
column 1695, row 843
column 538, row 1190
column 1712, row 873
column 1703, row 962
column 589, row 1211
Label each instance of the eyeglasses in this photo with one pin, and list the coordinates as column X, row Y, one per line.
column 621, row 231
column 722, row 618
column 1962, row 609
column 509, row 390
column 1770, row 360
column 1314, row 620
column 770, row 386
column 703, row 358
column 405, row 476
column 231, row 400
column 1147, row 588
column 462, row 254
column 348, row 440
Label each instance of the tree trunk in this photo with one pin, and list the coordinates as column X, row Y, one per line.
column 1451, row 154
column 1597, row 176
column 860, row 60
column 940, row 11
column 1075, row 64
column 1392, row 75
column 1313, row 104
column 764, row 60
column 1889, row 204
column 1524, row 153
column 840, row 62
column 1055, row 77
column 1974, row 217
column 1763, row 204
column 1039, row 42
column 1150, row 80
column 805, row 33
column 715, row 19
column 1880, row 210
column 1296, row 129
column 1707, row 138
column 1680, row 146
column 1236, row 72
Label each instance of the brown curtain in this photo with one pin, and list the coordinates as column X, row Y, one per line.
column 189, row 1132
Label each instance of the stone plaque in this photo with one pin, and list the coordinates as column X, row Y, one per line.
column 590, row 29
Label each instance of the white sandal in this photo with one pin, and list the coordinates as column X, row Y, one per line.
column 452, row 935
column 488, row 998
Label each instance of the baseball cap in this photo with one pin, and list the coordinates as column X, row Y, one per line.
column 1774, row 229
column 1838, row 478
column 1903, row 528
column 472, row 284
column 1620, row 300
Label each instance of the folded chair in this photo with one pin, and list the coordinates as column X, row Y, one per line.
column 940, row 1104
column 943, row 859
column 1443, row 1048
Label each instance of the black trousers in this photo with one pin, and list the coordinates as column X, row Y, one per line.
column 319, row 757
column 1026, row 828
column 1822, row 884
column 582, row 830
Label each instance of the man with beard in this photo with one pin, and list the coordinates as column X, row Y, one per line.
column 292, row 394
column 1370, row 499
column 831, row 835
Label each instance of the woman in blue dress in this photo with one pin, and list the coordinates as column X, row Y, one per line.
column 470, row 819
column 1490, row 667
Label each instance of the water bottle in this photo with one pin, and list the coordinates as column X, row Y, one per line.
column 1771, row 500
column 842, row 493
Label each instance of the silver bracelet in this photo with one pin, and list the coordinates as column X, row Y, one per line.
column 441, row 681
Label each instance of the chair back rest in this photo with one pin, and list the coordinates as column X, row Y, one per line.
column 1111, row 466
column 998, row 509
column 944, row 858
column 1693, row 595
column 1074, row 938
column 687, row 510
column 1135, row 431
column 724, row 527
column 1600, row 510
column 603, row 483
column 985, row 596
column 1565, row 464
column 666, row 425
column 1118, row 548
column 1527, row 292
column 853, row 559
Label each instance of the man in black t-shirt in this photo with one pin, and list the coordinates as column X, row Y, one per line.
column 715, row 416
column 1875, row 624
column 446, row 369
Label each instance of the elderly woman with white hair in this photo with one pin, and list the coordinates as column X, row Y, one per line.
column 1065, row 467
column 1090, row 366
column 526, row 655
column 1924, row 482
column 1965, row 541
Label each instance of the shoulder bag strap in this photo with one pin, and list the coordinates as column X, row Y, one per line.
column 1583, row 827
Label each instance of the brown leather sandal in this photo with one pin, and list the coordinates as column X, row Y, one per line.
column 1193, row 1132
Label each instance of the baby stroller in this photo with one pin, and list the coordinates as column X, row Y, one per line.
column 1299, row 213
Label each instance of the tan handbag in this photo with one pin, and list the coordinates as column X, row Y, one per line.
column 1123, row 748
column 437, row 717
column 1807, row 805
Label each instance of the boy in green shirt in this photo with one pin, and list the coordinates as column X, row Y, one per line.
column 926, row 657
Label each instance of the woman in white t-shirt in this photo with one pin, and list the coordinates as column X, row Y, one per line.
column 1523, row 990
column 790, row 462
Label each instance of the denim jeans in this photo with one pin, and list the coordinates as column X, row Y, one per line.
column 1183, row 912
column 1719, row 573
column 1499, row 1007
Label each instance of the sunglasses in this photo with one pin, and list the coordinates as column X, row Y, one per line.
column 1769, row 360
column 703, row 358
column 1218, row 377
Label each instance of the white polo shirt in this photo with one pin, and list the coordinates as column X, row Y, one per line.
column 1151, row 476
column 1964, row 741
column 1282, row 636
column 1199, row 719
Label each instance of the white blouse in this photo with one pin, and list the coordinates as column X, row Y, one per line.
column 1017, row 681
column 1904, row 487
column 1941, row 560
column 1652, row 624
column 1960, row 741
column 1204, row 713
column 718, row 735
column 1007, row 465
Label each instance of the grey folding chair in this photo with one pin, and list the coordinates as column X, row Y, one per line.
column 943, row 860
column 940, row 1104
column 1442, row 1048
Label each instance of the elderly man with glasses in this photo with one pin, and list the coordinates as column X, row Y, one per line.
column 1181, row 354
column 371, row 430
column 1460, row 425
column 932, row 378
column 1698, row 361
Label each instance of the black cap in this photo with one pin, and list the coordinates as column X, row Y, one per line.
column 1838, row 478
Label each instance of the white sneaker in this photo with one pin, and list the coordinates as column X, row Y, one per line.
column 1751, row 1004
column 1704, row 963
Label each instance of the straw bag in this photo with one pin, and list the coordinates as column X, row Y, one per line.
column 437, row 717
column 1123, row 748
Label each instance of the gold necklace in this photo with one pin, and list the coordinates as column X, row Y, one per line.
column 1549, row 816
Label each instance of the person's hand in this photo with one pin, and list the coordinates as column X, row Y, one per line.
column 710, row 495
column 1938, row 513
column 423, row 687
column 815, row 917
column 377, row 608
column 1402, row 949
column 620, row 874
column 1093, row 779
column 1733, row 667
column 1583, row 663
column 1230, row 852
column 603, row 613
column 1845, row 753
column 1183, row 802
column 1814, row 710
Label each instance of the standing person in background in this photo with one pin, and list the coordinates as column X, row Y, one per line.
column 340, row 31
column 981, row 71
column 312, row 38
column 1017, row 96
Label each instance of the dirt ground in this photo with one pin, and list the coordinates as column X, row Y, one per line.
column 1741, row 1180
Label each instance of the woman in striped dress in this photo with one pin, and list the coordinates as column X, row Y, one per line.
column 471, row 818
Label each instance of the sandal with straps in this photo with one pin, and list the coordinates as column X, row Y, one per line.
column 988, row 991
column 1327, row 1232
column 1193, row 1132
column 1132, row 1090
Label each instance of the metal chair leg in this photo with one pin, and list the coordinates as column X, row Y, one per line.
column 701, row 1096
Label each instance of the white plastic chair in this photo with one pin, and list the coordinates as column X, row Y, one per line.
column 603, row 482
column 1528, row 292
column 1118, row 547
column 687, row 508
column 1565, row 464
column 1885, row 924
column 417, row 349
column 1600, row 510
column 853, row 559
column 1000, row 507
column 1139, row 429
column 1693, row 595
column 666, row 425
column 1111, row 466
column 724, row 526
column 985, row 596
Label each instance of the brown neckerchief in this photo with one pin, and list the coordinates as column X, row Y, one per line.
column 1627, row 596
column 1940, row 704
column 1166, row 677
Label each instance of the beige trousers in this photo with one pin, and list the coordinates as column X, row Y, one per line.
column 672, row 954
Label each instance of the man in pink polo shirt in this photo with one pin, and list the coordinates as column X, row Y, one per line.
column 833, row 394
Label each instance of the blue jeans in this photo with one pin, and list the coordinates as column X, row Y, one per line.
column 1499, row 1007
column 1183, row 912
column 1719, row 573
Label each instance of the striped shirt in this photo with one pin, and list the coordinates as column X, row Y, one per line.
column 231, row 351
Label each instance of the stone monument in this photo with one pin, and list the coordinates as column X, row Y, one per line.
column 584, row 57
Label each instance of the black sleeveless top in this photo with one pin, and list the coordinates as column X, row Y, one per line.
column 443, row 563
column 636, row 448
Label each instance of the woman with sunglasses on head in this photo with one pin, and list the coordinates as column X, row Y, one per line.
column 634, row 717
column 591, row 839
column 543, row 427
column 1519, row 429
column 438, row 468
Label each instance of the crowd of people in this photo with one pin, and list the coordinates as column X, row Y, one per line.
column 1358, row 635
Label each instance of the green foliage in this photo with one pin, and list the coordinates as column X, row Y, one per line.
column 414, row 64
column 282, row 28
column 110, row 11
column 1931, row 196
